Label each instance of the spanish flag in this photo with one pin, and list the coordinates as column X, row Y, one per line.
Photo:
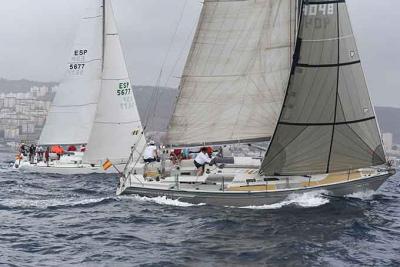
column 107, row 164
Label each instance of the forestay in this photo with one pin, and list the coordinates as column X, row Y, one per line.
column 234, row 80
column 71, row 114
column 327, row 122
column 117, row 125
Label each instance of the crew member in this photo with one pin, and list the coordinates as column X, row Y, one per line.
column 150, row 153
column 82, row 148
column 71, row 148
column 200, row 161
column 47, row 156
column 32, row 152
column 39, row 152
column 176, row 156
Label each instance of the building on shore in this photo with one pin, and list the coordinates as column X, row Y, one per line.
column 23, row 114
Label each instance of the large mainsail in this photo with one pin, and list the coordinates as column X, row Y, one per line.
column 117, row 123
column 327, row 123
column 234, row 80
column 71, row 114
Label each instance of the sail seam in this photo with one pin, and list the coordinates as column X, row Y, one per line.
column 328, row 65
column 238, row 140
column 93, row 17
column 81, row 105
column 88, row 61
column 114, row 79
column 108, row 122
column 326, row 124
column 331, row 39
column 324, row 2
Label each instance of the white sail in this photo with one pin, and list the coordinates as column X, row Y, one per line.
column 72, row 112
column 117, row 124
column 234, row 80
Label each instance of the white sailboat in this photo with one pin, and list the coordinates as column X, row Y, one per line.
column 95, row 104
column 237, row 87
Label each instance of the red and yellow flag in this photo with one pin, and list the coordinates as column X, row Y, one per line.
column 107, row 164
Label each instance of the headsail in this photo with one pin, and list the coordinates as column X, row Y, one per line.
column 236, row 74
column 327, row 123
column 71, row 114
column 117, row 123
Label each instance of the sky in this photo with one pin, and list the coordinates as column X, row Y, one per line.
column 37, row 38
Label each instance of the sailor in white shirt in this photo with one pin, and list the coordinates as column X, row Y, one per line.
column 150, row 153
column 201, row 160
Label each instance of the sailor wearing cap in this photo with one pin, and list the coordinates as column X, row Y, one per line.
column 150, row 153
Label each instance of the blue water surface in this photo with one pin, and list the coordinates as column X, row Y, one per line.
column 49, row 220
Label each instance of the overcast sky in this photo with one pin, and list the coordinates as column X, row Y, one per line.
column 37, row 37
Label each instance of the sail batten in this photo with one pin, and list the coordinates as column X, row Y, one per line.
column 235, row 76
column 327, row 123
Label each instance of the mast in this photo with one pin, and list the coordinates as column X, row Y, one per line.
column 104, row 34
column 327, row 123
column 117, row 124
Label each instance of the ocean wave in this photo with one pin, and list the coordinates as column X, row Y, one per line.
column 364, row 195
column 51, row 203
column 304, row 200
column 162, row 200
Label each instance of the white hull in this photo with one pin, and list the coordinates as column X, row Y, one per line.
column 57, row 167
column 67, row 170
column 214, row 189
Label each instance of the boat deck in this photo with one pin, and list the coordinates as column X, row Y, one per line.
column 235, row 182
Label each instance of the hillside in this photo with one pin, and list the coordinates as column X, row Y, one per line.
column 21, row 86
column 155, row 108
column 389, row 121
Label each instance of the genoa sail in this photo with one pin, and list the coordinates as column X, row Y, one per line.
column 71, row 114
column 236, row 74
column 327, row 123
column 117, row 124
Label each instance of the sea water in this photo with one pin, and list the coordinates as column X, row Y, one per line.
column 49, row 220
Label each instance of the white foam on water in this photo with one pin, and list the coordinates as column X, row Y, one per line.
column 162, row 200
column 363, row 195
column 47, row 203
column 305, row 200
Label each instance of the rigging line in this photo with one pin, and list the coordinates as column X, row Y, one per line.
column 155, row 94
column 191, row 52
column 188, row 38
column 151, row 108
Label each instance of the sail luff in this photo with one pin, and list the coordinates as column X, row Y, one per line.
column 337, row 89
column 327, row 122
column 236, row 73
